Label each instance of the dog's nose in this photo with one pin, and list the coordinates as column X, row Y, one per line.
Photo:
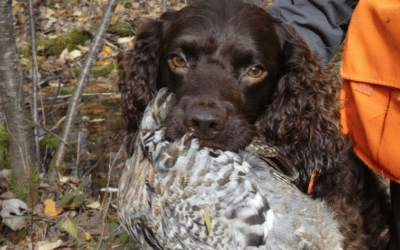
column 205, row 123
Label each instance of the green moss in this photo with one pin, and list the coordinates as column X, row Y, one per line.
column 5, row 158
column 97, row 72
column 75, row 36
column 106, row 70
column 26, row 66
column 51, row 141
column 89, row 90
column 113, row 219
column 121, row 29
column 34, row 178
column 126, row 3
column 67, row 91
column 19, row 190
column 339, row 52
column 25, row 52
column 77, row 71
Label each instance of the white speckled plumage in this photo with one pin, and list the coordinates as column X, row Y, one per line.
column 166, row 189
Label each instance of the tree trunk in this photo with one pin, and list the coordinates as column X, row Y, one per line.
column 13, row 100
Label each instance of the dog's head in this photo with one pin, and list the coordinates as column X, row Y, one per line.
column 234, row 69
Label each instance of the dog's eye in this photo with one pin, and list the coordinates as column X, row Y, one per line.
column 255, row 72
column 178, row 62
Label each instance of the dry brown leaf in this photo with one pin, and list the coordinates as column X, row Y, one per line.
column 104, row 63
column 77, row 13
column 20, row 19
column 62, row 12
column 15, row 8
column 83, row 20
column 75, row 180
column 47, row 245
column 51, row 12
column 50, row 208
column 114, row 19
column 73, row 205
column 47, row 66
column 8, row 195
column 118, row 8
column 106, row 51
column 70, row 227
column 41, row 58
column 84, row 235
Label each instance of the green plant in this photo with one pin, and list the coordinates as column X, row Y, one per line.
column 67, row 91
column 26, row 66
column 50, row 141
column 25, row 52
column 89, row 90
column 121, row 29
column 75, row 36
column 5, row 158
column 105, row 70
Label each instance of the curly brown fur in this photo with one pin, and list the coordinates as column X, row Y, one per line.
column 294, row 106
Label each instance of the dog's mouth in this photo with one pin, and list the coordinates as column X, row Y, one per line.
column 213, row 144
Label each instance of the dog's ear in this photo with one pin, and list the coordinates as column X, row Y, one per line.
column 137, row 70
column 305, row 106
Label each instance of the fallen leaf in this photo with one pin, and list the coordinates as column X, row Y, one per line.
column 51, row 21
column 11, row 214
column 7, row 195
column 83, row 48
column 20, row 19
column 106, row 51
column 75, row 180
column 118, row 8
column 50, row 12
column 77, row 13
column 15, row 8
column 102, row 64
column 41, row 58
column 47, row 245
column 50, row 208
column 64, row 179
column 125, row 39
column 69, row 226
column 94, row 205
column 208, row 222
column 114, row 19
column 85, row 235
column 47, row 66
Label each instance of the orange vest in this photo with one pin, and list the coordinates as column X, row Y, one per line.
column 371, row 86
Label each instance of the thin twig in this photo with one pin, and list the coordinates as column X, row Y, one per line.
column 105, row 152
column 91, row 94
column 111, row 165
column 57, row 124
column 77, row 154
column 48, row 131
column 34, row 82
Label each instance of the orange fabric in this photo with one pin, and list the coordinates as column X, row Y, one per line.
column 373, row 122
column 372, row 49
column 371, row 89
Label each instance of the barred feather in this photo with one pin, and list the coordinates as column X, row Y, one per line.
column 169, row 192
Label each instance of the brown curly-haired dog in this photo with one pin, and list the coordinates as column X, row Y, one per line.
column 237, row 72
